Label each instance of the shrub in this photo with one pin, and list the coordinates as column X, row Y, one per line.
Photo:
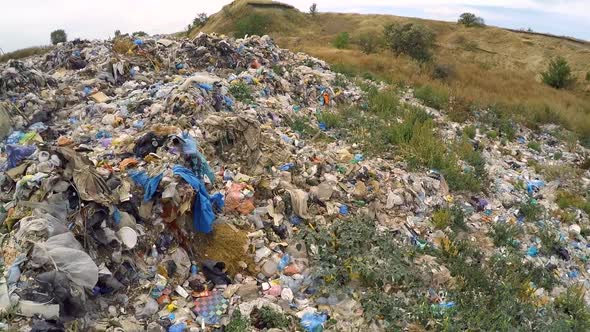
column 368, row 43
column 253, row 24
column 505, row 235
column 238, row 323
column 268, row 318
column 342, row 40
column 469, row 131
column 313, row 9
column 534, row 146
column 139, row 34
column 58, row 36
column 471, row 20
column 443, row 71
column 530, row 210
column 573, row 305
column 492, row 134
column 200, row 20
column 412, row 39
column 558, row 74
column 441, row 218
column 241, row 91
column 432, row 97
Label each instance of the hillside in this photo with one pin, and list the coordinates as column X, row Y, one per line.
column 492, row 66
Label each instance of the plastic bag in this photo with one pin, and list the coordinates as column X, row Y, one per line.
column 39, row 227
column 236, row 201
column 18, row 153
column 313, row 322
column 64, row 252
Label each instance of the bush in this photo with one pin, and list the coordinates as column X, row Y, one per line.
column 342, row 40
column 412, row 39
column 443, row 72
column 58, row 36
column 200, row 20
column 368, row 43
column 505, row 235
column 558, row 74
column 471, row 20
column 139, row 34
column 253, row 24
column 431, row 97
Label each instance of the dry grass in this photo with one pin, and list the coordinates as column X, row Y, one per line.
column 493, row 65
column 25, row 52
column 226, row 244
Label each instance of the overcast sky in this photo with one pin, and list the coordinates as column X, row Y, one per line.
column 26, row 23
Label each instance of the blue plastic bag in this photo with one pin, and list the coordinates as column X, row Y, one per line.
column 205, row 86
column 150, row 185
column 313, row 322
column 180, row 327
column 343, row 209
column 203, row 215
column 18, row 153
column 286, row 167
column 285, row 260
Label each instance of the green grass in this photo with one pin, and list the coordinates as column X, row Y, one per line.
column 567, row 199
column 431, row 96
column 534, row 146
column 25, row 52
column 469, row 131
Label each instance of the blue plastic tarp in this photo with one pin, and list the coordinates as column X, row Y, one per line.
column 18, row 153
column 203, row 215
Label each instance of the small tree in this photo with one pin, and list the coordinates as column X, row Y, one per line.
column 412, row 39
column 471, row 20
column 200, row 20
column 558, row 74
column 368, row 42
column 342, row 40
column 313, row 10
column 58, row 36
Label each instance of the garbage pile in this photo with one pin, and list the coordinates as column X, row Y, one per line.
column 156, row 184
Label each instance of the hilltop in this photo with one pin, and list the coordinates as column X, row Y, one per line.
column 491, row 66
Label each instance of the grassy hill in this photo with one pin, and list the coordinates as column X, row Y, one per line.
column 490, row 66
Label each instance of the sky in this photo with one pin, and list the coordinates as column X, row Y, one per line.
column 25, row 23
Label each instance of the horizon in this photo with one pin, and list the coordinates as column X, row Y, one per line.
column 542, row 16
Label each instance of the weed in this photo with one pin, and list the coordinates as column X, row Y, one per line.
column 330, row 119
column 458, row 219
column 441, row 218
column 268, row 318
column 301, row 125
column 505, row 235
column 530, row 210
column 241, row 91
column 559, row 171
column 432, row 97
column 238, row 323
column 534, row 146
column 550, row 241
column 557, row 155
column 469, row 131
column 492, row 134
column 585, row 232
column 572, row 304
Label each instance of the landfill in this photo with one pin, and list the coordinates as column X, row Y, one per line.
column 156, row 184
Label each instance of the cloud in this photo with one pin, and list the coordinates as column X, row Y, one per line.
column 28, row 22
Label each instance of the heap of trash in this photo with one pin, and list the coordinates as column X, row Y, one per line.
column 158, row 185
